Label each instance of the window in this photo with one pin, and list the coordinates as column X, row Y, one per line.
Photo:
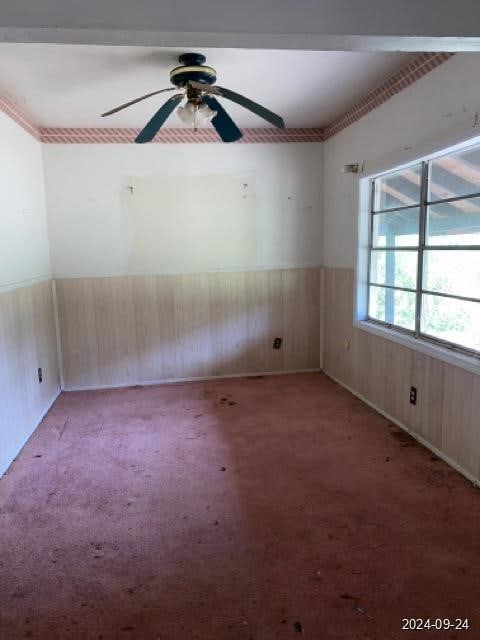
column 424, row 250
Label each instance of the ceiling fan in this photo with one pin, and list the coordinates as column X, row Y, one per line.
column 196, row 83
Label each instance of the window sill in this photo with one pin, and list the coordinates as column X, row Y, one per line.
column 469, row 363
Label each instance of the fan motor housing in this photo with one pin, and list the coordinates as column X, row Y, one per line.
column 192, row 69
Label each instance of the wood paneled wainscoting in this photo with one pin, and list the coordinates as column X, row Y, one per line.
column 140, row 329
column 27, row 343
column 447, row 414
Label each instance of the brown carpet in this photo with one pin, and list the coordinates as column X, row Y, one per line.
column 244, row 509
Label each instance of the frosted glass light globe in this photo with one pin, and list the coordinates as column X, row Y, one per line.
column 192, row 114
column 205, row 114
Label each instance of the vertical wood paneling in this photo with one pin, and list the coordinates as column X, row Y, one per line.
column 145, row 328
column 475, row 421
column 154, row 317
column 79, row 341
column 191, row 326
column 448, row 404
column 372, row 368
column 115, row 329
column 427, row 374
column 228, row 323
column 27, row 342
column 26, row 348
column 339, row 337
column 460, row 429
column 45, row 341
column 264, row 304
column 398, row 363
column 301, row 303
column 13, row 378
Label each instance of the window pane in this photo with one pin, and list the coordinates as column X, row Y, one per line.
column 454, row 223
column 457, row 174
column 396, row 229
column 392, row 306
column 398, row 189
column 394, row 268
column 456, row 321
column 453, row 272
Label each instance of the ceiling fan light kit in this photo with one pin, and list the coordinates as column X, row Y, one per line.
column 196, row 115
column 196, row 83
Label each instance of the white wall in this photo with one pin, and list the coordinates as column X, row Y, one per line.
column 24, row 252
column 131, row 209
column 439, row 106
column 27, row 323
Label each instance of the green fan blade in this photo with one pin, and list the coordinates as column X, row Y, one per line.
column 224, row 125
column 263, row 112
column 154, row 125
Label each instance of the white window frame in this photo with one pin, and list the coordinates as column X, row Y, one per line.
column 428, row 346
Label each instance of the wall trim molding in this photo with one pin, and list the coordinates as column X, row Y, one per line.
column 261, row 135
column 18, row 115
column 440, row 454
column 149, row 383
column 187, row 272
column 417, row 68
column 12, row 286
column 407, row 75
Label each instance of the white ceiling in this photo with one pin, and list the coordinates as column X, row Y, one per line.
column 70, row 85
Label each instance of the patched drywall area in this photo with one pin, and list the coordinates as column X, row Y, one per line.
column 197, row 222
column 177, row 261
column 125, row 209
